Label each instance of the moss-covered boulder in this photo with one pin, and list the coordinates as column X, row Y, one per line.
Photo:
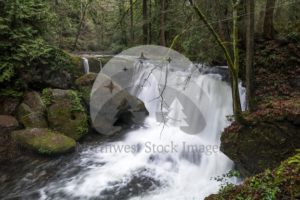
column 261, row 146
column 31, row 112
column 282, row 183
column 77, row 69
column 44, row 141
column 85, row 85
column 55, row 69
column 65, row 112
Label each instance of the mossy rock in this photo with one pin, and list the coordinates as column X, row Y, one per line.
column 85, row 85
column 44, row 141
column 65, row 113
column 77, row 69
column 260, row 146
column 105, row 59
column 31, row 119
column 31, row 112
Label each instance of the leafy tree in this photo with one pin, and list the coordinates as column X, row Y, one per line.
column 21, row 27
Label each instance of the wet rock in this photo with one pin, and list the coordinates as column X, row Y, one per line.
column 65, row 112
column 138, row 183
column 95, row 64
column 31, row 112
column 113, row 109
column 44, row 141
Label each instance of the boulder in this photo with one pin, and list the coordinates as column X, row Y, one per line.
column 85, row 85
column 9, row 105
column 260, row 146
column 46, row 77
column 113, row 108
column 95, row 64
column 31, row 112
column 44, row 141
column 65, row 112
column 8, row 150
column 7, row 124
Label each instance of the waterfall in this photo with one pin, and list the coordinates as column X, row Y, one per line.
column 100, row 64
column 160, row 160
column 86, row 65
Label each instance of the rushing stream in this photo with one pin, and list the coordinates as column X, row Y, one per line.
column 156, row 161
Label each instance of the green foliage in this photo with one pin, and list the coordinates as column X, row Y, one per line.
column 20, row 35
column 47, row 97
column 281, row 183
column 295, row 159
column 82, row 127
column 76, row 102
column 9, row 92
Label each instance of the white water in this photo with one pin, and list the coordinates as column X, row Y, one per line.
column 86, row 65
column 182, row 173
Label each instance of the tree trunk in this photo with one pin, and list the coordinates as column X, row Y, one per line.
column 145, row 22
column 80, row 25
column 122, row 25
column 250, row 21
column 233, row 63
column 162, row 22
column 268, row 22
column 131, row 22
column 149, row 23
column 237, row 108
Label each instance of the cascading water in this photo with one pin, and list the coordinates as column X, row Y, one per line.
column 86, row 65
column 168, row 164
column 174, row 156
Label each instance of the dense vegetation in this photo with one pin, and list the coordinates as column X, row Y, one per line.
column 259, row 40
column 33, row 32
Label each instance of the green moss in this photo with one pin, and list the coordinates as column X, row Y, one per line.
column 76, row 102
column 47, row 97
column 105, row 60
column 67, row 115
column 9, row 92
column 82, row 128
column 44, row 141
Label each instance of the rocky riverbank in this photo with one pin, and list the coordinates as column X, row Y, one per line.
column 52, row 113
